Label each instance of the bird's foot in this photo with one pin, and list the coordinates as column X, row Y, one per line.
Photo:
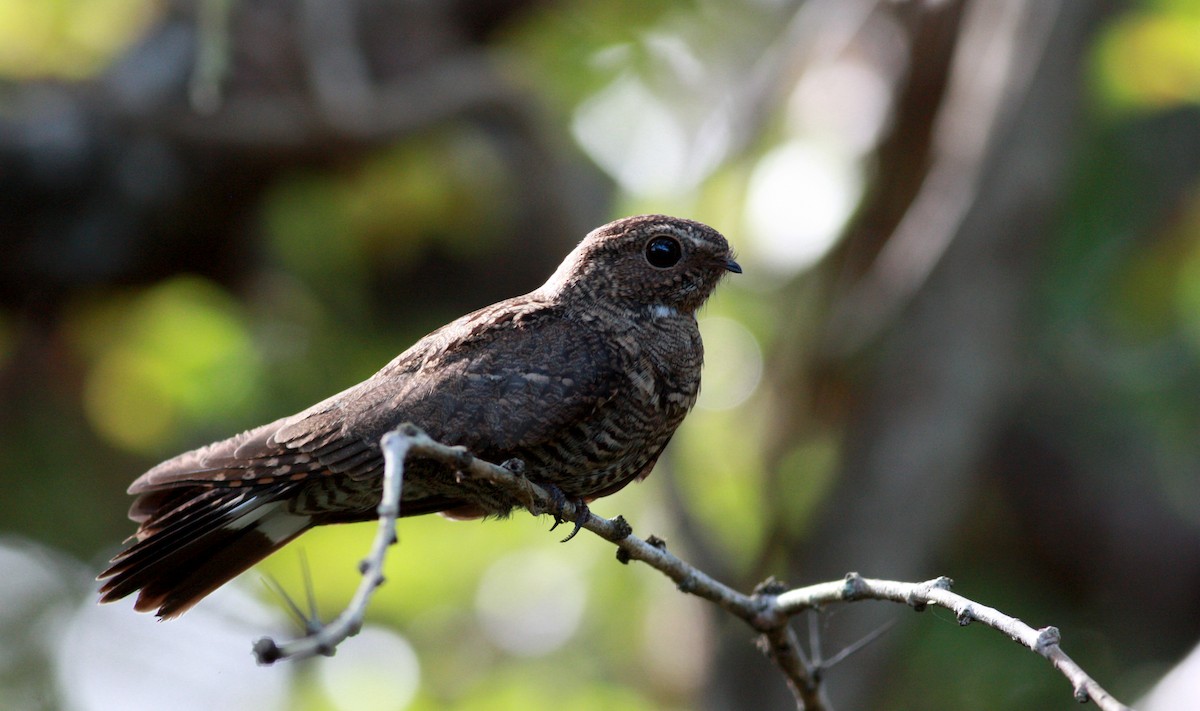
column 526, row 495
column 558, row 504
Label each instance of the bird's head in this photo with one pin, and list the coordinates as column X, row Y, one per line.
column 649, row 261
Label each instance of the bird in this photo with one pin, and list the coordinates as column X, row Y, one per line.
column 584, row 380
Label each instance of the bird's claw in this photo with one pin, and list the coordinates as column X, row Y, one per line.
column 581, row 515
column 558, row 502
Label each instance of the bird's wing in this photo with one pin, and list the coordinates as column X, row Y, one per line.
column 518, row 385
column 260, row 457
column 492, row 381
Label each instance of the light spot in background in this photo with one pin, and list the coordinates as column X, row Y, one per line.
column 110, row 657
column 845, row 101
column 124, row 404
column 530, row 602
column 37, row 591
column 658, row 133
column 376, row 670
column 634, row 137
column 797, row 202
column 733, row 363
column 677, row 642
column 1178, row 689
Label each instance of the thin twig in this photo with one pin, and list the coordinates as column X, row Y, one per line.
column 856, row 647
column 782, row 647
column 1044, row 641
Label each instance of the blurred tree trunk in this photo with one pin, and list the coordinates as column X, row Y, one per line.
column 938, row 312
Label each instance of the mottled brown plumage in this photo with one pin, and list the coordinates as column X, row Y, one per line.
column 584, row 379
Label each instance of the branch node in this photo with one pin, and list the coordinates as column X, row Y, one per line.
column 537, row 505
column 659, row 543
column 266, row 652
column 853, row 587
column 688, row 584
column 1047, row 637
column 768, row 616
column 463, row 457
column 917, row 598
column 409, row 430
column 965, row 616
column 621, row 529
column 770, row 586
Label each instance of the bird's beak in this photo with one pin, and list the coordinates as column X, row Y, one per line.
column 733, row 266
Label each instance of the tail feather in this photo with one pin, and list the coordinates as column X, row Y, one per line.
column 190, row 550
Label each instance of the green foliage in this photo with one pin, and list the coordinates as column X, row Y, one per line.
column 171, row 359
column 446, row 190
column 1150, row 59
column 70, row 39
column 567, row 49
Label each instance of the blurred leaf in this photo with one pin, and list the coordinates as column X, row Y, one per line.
column 1151, row 59
column 720, row 477
column 806, row 474
column 174, row 356
column 69, row 39
column 571, row 49
column 1187, row 286
column 446, row 189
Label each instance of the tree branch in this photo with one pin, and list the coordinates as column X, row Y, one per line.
column 768, row 610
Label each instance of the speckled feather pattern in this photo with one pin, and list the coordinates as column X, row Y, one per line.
column 584, row 379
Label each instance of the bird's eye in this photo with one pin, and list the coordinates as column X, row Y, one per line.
column 663, row 252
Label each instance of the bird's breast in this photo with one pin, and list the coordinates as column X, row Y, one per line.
column 667, row 355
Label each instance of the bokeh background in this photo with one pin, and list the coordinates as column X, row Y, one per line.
column 966, row 342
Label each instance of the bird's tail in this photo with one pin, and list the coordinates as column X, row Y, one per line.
column 193, row 540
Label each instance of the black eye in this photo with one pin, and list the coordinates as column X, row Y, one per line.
column 663, row 252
